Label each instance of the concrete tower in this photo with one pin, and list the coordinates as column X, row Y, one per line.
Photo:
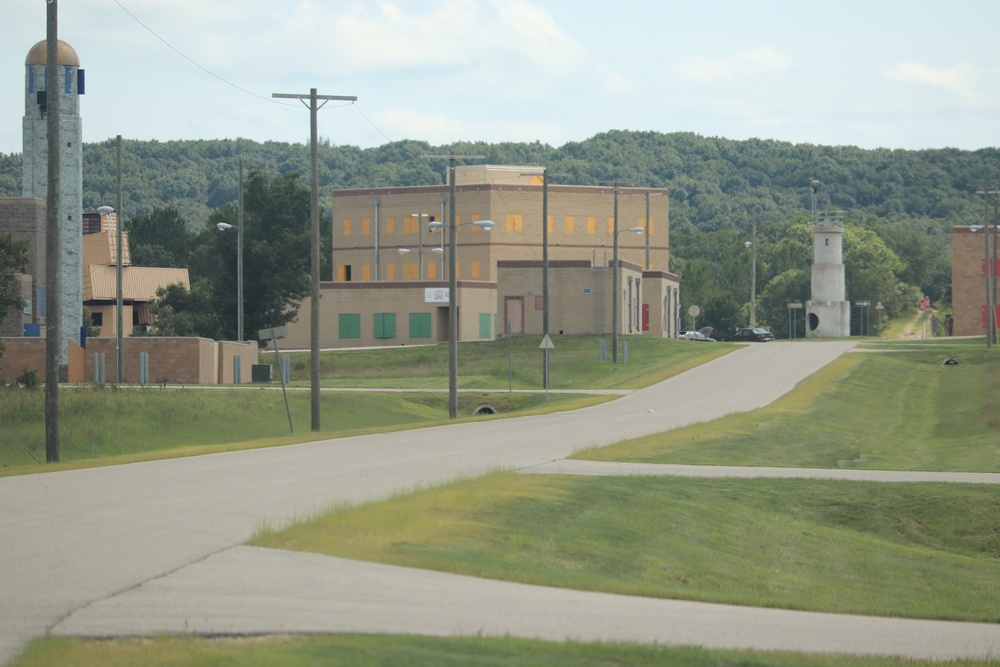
column 828, row 315
column 68, row 83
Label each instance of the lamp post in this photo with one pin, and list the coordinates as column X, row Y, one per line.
column 990, row 267
column 452, row 301
column 614, row 281
column 752, row 244
column 420, row 243
column 119, row 351
column 648, row 195
column 223, row 226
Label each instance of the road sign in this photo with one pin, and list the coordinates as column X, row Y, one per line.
column 546, row 344
column 879, row 305
column 795, row 306
column 272, row 333
column 694, row 311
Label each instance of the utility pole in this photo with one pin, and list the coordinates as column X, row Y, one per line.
column 53, row 245
column 119, row 305
column 989, row 274
column 314, row 107
column 753, row 271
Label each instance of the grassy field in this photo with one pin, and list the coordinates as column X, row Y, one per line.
column 573, row 364
column 892, row 411
column 393, row 651
column 101, row 425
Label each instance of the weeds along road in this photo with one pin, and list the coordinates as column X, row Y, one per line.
column 77, row 547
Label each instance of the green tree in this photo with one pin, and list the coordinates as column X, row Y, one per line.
column 160, row 238
column 276, row 213
column 180, row 312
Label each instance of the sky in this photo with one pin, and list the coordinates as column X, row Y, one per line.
column 907, row 74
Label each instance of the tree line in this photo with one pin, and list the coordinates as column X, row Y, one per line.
column 898, row 205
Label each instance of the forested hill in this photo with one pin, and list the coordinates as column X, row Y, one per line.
column 714, row 182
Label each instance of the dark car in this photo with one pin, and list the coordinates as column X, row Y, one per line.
column 755, row 335
column 696, row 336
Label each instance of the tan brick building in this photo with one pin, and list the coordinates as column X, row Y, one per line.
column 969, row 267
column 382, row 243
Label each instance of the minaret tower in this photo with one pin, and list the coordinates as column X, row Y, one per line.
column 68, row 83
column 828, row 315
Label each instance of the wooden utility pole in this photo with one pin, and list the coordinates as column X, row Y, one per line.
column 314, row 107
column 53, row 246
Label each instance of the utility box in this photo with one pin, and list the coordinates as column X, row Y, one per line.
column 262, row 373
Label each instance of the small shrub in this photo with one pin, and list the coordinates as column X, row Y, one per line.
column 28, row 379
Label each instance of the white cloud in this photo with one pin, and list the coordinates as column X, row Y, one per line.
column 960, row 80
column 747, row 64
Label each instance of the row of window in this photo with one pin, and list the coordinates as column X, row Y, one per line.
column 514, row 223
column 410, row 271
column 384, row 325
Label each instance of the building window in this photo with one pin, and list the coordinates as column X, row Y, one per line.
column 515, row 222
column 390, row 226
column 420, row 325
column 385, row 325
column 366, row 227
column 570, row 224
column 347, row 227
column 349, row 325
column 97, row 319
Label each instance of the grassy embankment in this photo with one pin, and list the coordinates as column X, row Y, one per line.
column 106, row 425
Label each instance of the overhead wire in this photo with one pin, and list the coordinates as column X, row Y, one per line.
column 230, row 83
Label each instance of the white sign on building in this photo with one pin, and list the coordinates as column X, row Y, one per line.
column 436, row 294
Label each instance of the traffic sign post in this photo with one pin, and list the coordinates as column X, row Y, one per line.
column 546, row 346
column 274, row 333
column 879, row 307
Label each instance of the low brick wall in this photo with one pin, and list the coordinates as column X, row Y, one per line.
column 171, row 360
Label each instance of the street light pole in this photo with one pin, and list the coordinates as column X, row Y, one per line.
column 239, row 259
column 420, row 243
column 314, row 107
column 119, row 305
column 753, row 270
column 452, row 283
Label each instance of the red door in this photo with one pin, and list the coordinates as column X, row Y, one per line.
column 645, row 317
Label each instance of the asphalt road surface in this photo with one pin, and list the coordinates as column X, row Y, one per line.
column 153, row 548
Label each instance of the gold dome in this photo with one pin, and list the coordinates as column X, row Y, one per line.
column 65, row 55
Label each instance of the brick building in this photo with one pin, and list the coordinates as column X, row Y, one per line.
column 969, row 268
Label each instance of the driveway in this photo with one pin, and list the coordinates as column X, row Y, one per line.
column 156, row 547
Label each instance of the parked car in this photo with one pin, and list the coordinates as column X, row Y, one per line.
column 696, row 336
column 748, row 335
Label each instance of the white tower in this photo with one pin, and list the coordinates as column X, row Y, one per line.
column 828, row 315
column 68, row 83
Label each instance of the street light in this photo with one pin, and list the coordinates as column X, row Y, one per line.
column 223, row 226
column 486, row 225
column 420, row 244
column 648, row 195
column 119, row 307
column 614, row 282
column 752, row 244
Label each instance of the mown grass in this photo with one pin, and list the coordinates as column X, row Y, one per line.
column 101, row 426
column 892, row 411
column 573, row 364
column 913, row 550
column 385, row 650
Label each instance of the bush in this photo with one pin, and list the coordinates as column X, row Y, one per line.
column 28, row 379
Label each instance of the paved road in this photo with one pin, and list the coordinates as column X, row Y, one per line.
column 155, row 547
